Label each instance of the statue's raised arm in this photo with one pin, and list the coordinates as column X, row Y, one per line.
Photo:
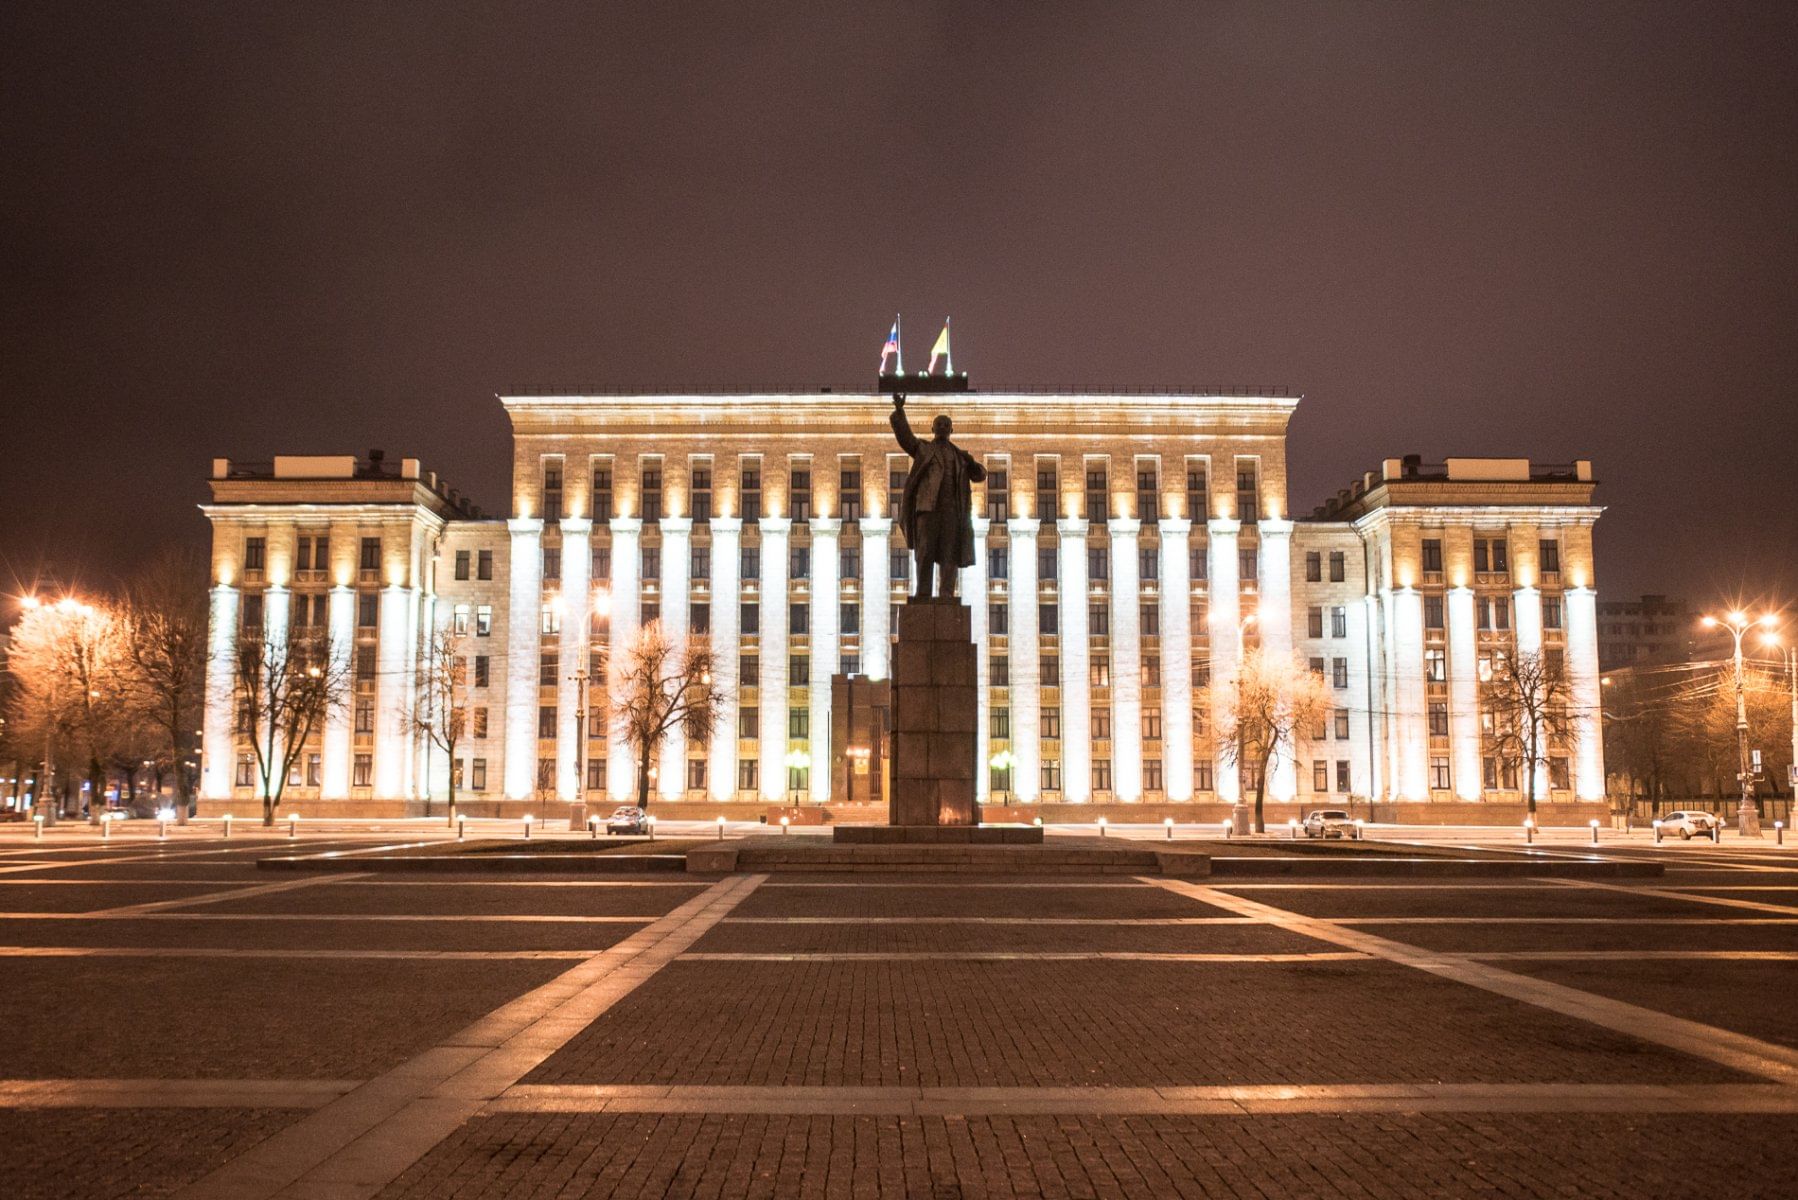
column 936, row 509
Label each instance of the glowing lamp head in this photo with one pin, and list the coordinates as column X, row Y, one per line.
column 1708, row 622
column 1738, row 617
column 1768, row 620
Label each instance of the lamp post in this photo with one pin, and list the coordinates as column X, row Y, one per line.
column 1789, row 655
column 796, row 761
column 1748, row 820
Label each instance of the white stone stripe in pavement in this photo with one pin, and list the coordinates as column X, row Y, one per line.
column 355, row 1145
column 560, row 918
column 1022, row 956
column 1631, row 955
column 223, row 952
column 172, row 1093
column 237, row 893
column 1734, row 1050
column 1670, row 894
column 1169, row 1101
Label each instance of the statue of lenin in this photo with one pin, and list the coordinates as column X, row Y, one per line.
column 935, row 511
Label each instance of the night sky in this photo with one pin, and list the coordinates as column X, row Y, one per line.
column 1558, row 230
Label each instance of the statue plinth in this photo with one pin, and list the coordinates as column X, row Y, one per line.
column 935, row 717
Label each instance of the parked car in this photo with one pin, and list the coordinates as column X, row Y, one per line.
column 626, row 818
column 1328, row 823
column 1688, row 822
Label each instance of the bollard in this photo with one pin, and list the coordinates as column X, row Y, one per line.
column 1168, row 822
column 1594, row 823
column 1292, row 827
column 1529, row 831
column 162, row 827
column 721, row 829
column 1360, row 830
column 1039, row 822
column 527, row 827
column 1101, row 824
column 1228, row 830
column 293, row 825
column 1779, row 833
column 1717, row 834
column 39, row 819
column 106, row 828
column 227, row 824
column 461, row 827
column 784, row 822
column 649, row 823
column 1657, row 832
column 593, row 828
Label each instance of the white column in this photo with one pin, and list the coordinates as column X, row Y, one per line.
column 1225, row 621
column 627, row 611
column 1365, row 695
column 677, row 568
column 971, row 587
column 1463, row 693
column 218, row 750
column 434, row 761
column 1176, row 658
column 772, row 685
column 1126, row 660
column 524, row 600
column 877, row 596
column 826, row 653
column 571, row 654
column 1076, row 689
column 410, row 767
column 391, row 691
column 334, row 762
column 1409, row 726
column 726, row 588
column 1580, row 614
column 277, row 606
column 1274, row 620
column 1526, row 618
column 1026, row 665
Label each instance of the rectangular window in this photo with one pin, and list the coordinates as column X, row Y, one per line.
column 483, row 620
column 602, row 493
column 1432, row 556
column 849, row 620
column 1048, row 619
column 1314, row 622
column 368, row 610
column 996, row 615
column 1198, row 498
column 700, row 487
column 1148, row 564
column 1559, row 777
column 899, row 566
column 371, row 554
column 1438, row 717
column 1548, row 553
column 1439, row 772
column 1098, row 564
column 1500, row 563
column 477, row 774
column 1096, row 509
column 362, row 774
column 1342, row 774
column 649, row 483
column 1049, row 670
column 1051, row 724
column 1317, row 667
column 998, row 494
column 1047, row 564
column 1435, row 666
column 1432, row 612
column 478, row 723
column 749, row 619
column 1247, row 560
column 849, row 563
column 1151, row 774
column 463, row 565
column 1320, row 775
column 246, row 771
column 1101, row 723
column 1151, row 724
column 849, row 490
column 799, row 619
column 701, row 563
column 998, row 723
column 651, row 613
column 1099, row 671
column 549, row 617
column 748, row 775
column 252, row 611
column 799, row 669
column 303, row 554
column 596, row 773
column 483, row 563
column 546, row 721
column 1098, row 620
column 749, row 563
column 365, row 716
column 552, row 491
column 652, row 564
column 1339, row 622
column 552, row 562
column 999, row 671
column 1551, row 612
column 255, row 553
column 748, row 723
column 1051, row 775
column 1248, row 505
column 1339, row 672
column 546, row 669
column 1101, row 774
column 1341, row 717
column 998, row 563
column 1148, row 493
column 480, row 670
column 1201, row 775
column 1149, row 620
column 1314, row 566
column 696, row 774
column 1199, row 564
column 1338, row 566
column 1151, row 670
column 751, row 484
column 799, row 723
column 799, row 492
column 799, row 563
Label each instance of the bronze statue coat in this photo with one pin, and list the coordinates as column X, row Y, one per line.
column 937, row 491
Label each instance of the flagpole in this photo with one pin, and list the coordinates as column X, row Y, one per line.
column 949, row 350
column 899, row 338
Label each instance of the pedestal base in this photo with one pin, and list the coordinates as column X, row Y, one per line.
column 959, row 835
column 935, row 717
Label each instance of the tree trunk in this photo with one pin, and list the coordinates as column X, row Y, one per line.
column 1261, row 795
column 643, row 779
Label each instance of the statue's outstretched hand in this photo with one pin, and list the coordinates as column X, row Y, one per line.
column 899, row 401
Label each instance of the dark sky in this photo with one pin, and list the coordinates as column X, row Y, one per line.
column 1556, row 230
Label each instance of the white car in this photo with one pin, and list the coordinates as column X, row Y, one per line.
column 1329, row 823
column 1686, row 823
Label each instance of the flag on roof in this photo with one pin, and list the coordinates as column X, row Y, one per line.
column 941, row 350
column 891, row 350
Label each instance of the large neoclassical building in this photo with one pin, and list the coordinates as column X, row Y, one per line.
column 1125, row 543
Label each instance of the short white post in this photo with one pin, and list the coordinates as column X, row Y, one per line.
column 1228, row 828
column 527, row 827
column 784, row 822
column 1292, row 826
column 721, row 829
column 38, row 818
column 1779, row 833
column 162, row 826
column 1657, row 832
column 1360, row 829
column 593, row 828
column 1101, row 826
column 106, row 827
column 293, row 825
column 227, row 825
column 1594, row 823
column 461, row 826
column 649, row 823
column 1529, row 830
column 1168, row 824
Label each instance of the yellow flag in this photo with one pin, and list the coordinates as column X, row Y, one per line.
column 941, row 351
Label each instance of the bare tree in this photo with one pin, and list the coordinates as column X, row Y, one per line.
column 443, row 714
column 664, row 686
column 67, row 660
column 1528, row 697
column 1273, row 697
column 283, row 694
column 164, row 624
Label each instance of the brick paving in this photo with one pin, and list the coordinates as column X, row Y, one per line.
column 1021, row 1025
column 1048, row 1024
column 530, row 1156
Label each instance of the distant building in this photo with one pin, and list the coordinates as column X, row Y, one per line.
column 1652, row 629
column 1122, row 540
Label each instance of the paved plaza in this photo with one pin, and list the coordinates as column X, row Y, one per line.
column 182, row 1023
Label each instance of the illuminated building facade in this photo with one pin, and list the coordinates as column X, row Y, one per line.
column 1124, row 541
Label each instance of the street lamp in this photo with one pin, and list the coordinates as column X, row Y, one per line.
column 1748, row 820
column 1789, row 655
column 796, row 761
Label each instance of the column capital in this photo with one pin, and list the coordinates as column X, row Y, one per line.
column 1525, row 590
column 1582, row 590
column 727, row 524
column 826, row 526
column 1178, row 526
column 627, row 525
column 775, row 525
column 1223, row 526
column 981, row 525
column 1275, row 527
column 522, row 526
column 1022, row 527
column 1072, row 527
column 1124, row 526
column 576, row 526
column 879, row 526
column 677, row 525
